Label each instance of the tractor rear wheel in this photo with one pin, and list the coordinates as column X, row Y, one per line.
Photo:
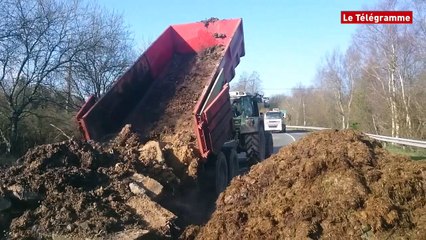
column 255, row 145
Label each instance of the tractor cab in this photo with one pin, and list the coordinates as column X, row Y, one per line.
column 245, row 111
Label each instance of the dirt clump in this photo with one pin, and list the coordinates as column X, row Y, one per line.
column 78, row 189
column 330, row 184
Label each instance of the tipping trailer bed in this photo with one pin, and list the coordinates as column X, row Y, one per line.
column 212, row 113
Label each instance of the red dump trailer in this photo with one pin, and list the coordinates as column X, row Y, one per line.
column 212, row 113
column 100, row 117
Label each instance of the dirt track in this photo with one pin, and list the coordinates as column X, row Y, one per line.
column 331, row 184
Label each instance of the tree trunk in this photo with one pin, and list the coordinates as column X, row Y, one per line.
column 406, row 106
column 343, row 121
column 393, row 107
column 393, row 94
column 376, row 128
column 338, row 94
column 69, row 89
column 351, row 95
column 394, row 118
column 14, row 120
column 342, row 113
column 304, row 112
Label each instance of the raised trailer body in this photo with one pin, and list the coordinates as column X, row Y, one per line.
column 212, row 114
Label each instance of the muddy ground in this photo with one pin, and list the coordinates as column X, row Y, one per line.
column 329, row 185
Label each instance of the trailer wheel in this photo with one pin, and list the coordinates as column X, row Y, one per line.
column 233, row 164
column 221, row 176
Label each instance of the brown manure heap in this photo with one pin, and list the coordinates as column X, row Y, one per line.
column 75, row 190
column 329, row 185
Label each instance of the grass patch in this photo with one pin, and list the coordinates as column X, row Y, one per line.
column 412, row 152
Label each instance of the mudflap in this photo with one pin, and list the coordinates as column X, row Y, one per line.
column 269, row 144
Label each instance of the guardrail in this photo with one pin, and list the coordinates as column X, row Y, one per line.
column 402, row 141
column 307, row 128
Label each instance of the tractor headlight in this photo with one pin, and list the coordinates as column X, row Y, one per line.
column 237, row 122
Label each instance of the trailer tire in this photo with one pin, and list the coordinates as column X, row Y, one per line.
column 221, row 173
column 255, row 145
column 269, row 144
column 233, row 164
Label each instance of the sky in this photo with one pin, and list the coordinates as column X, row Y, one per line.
column 285, row 41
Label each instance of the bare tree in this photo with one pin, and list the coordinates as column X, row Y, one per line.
column 338, row 75
column 332, row 77
column 277, row 101
column 297, row 104
column 389, row 55
column 249, row 83
column 378, row 84
column 109, row 53
column 38, row 38
column 417, row 94
column 51, row 50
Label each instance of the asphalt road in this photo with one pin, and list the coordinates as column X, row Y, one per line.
column 283, row 139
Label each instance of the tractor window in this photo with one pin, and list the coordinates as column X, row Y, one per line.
column 247, row 106
column 255, row 108
column 236, row 107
